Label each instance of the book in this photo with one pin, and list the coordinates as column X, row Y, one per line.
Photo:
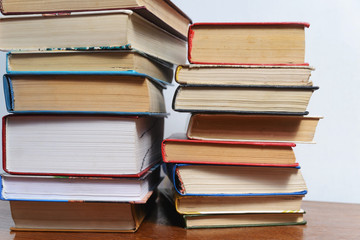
column 163, row 13
column 88, row 31
column 247, row 43
column 228, row 204
column 76, row 93
column 178, row 149
column 230, row 180
column 81, row 145
column 69, row 189
column 88, row 62
column 79, row 216
column 237, row 204
column 243, row 99
column 239, row 127
column 195, row 74
column 243, row 220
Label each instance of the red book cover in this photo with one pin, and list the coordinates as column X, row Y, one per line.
column 191, row 34
column 181, row 138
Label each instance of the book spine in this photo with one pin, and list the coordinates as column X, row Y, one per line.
column 4, row 119
column 178, row 69
column 190, row 40
column 8, row 93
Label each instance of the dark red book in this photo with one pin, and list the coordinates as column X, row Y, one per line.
column 178, row 149
column 261, row 43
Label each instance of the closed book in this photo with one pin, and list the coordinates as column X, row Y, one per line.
column 178, row 149
column 163, row 13
column 237, row 204
column 229, row 180
column 81, row 145
column 240, row 127
column 84, row 93
column 285, row 75
column 70, row 188
column 247, row 43
column 229, row 204
column 243, row 220
column 288, row 100
column 116, row 62
column 89, row 31
column 45, row 216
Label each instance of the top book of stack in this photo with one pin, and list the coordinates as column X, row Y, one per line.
column 247, row 43
column 160, row 12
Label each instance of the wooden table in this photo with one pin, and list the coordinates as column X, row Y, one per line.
column 325, row 221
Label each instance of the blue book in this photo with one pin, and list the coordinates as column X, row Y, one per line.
column 231, row 180
column 116, row 62
column 124, row 94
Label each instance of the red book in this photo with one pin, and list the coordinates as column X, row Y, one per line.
column 178, row 149
column 271, row 43
column 81, row 145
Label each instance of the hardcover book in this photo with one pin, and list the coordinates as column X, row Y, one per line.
column 238, row 127
column 121, row 62
column 243, row 220
column 247, row 43
column 81, row 145
column 107, row 30
column 243, row 99
column 79, row 93
column 229, row 204
column 229, row 180
column 69, row 189
column 178, row 149
column 195, row 74
column 79, row 216
column 163, row 13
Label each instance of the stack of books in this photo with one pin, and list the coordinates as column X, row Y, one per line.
column 82, row 147
column 247, row 88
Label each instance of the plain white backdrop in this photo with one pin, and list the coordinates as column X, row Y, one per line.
column 331, row 167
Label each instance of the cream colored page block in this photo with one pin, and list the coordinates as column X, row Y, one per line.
column 91, row 30
column 249, row 45
column 229, row 99
column 87, row 93
column 58, row 5
column 228, row 153
column 238, row 180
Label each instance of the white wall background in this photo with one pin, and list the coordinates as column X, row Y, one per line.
column 331, row 167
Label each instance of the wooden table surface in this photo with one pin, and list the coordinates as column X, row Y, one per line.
column 325, row 221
